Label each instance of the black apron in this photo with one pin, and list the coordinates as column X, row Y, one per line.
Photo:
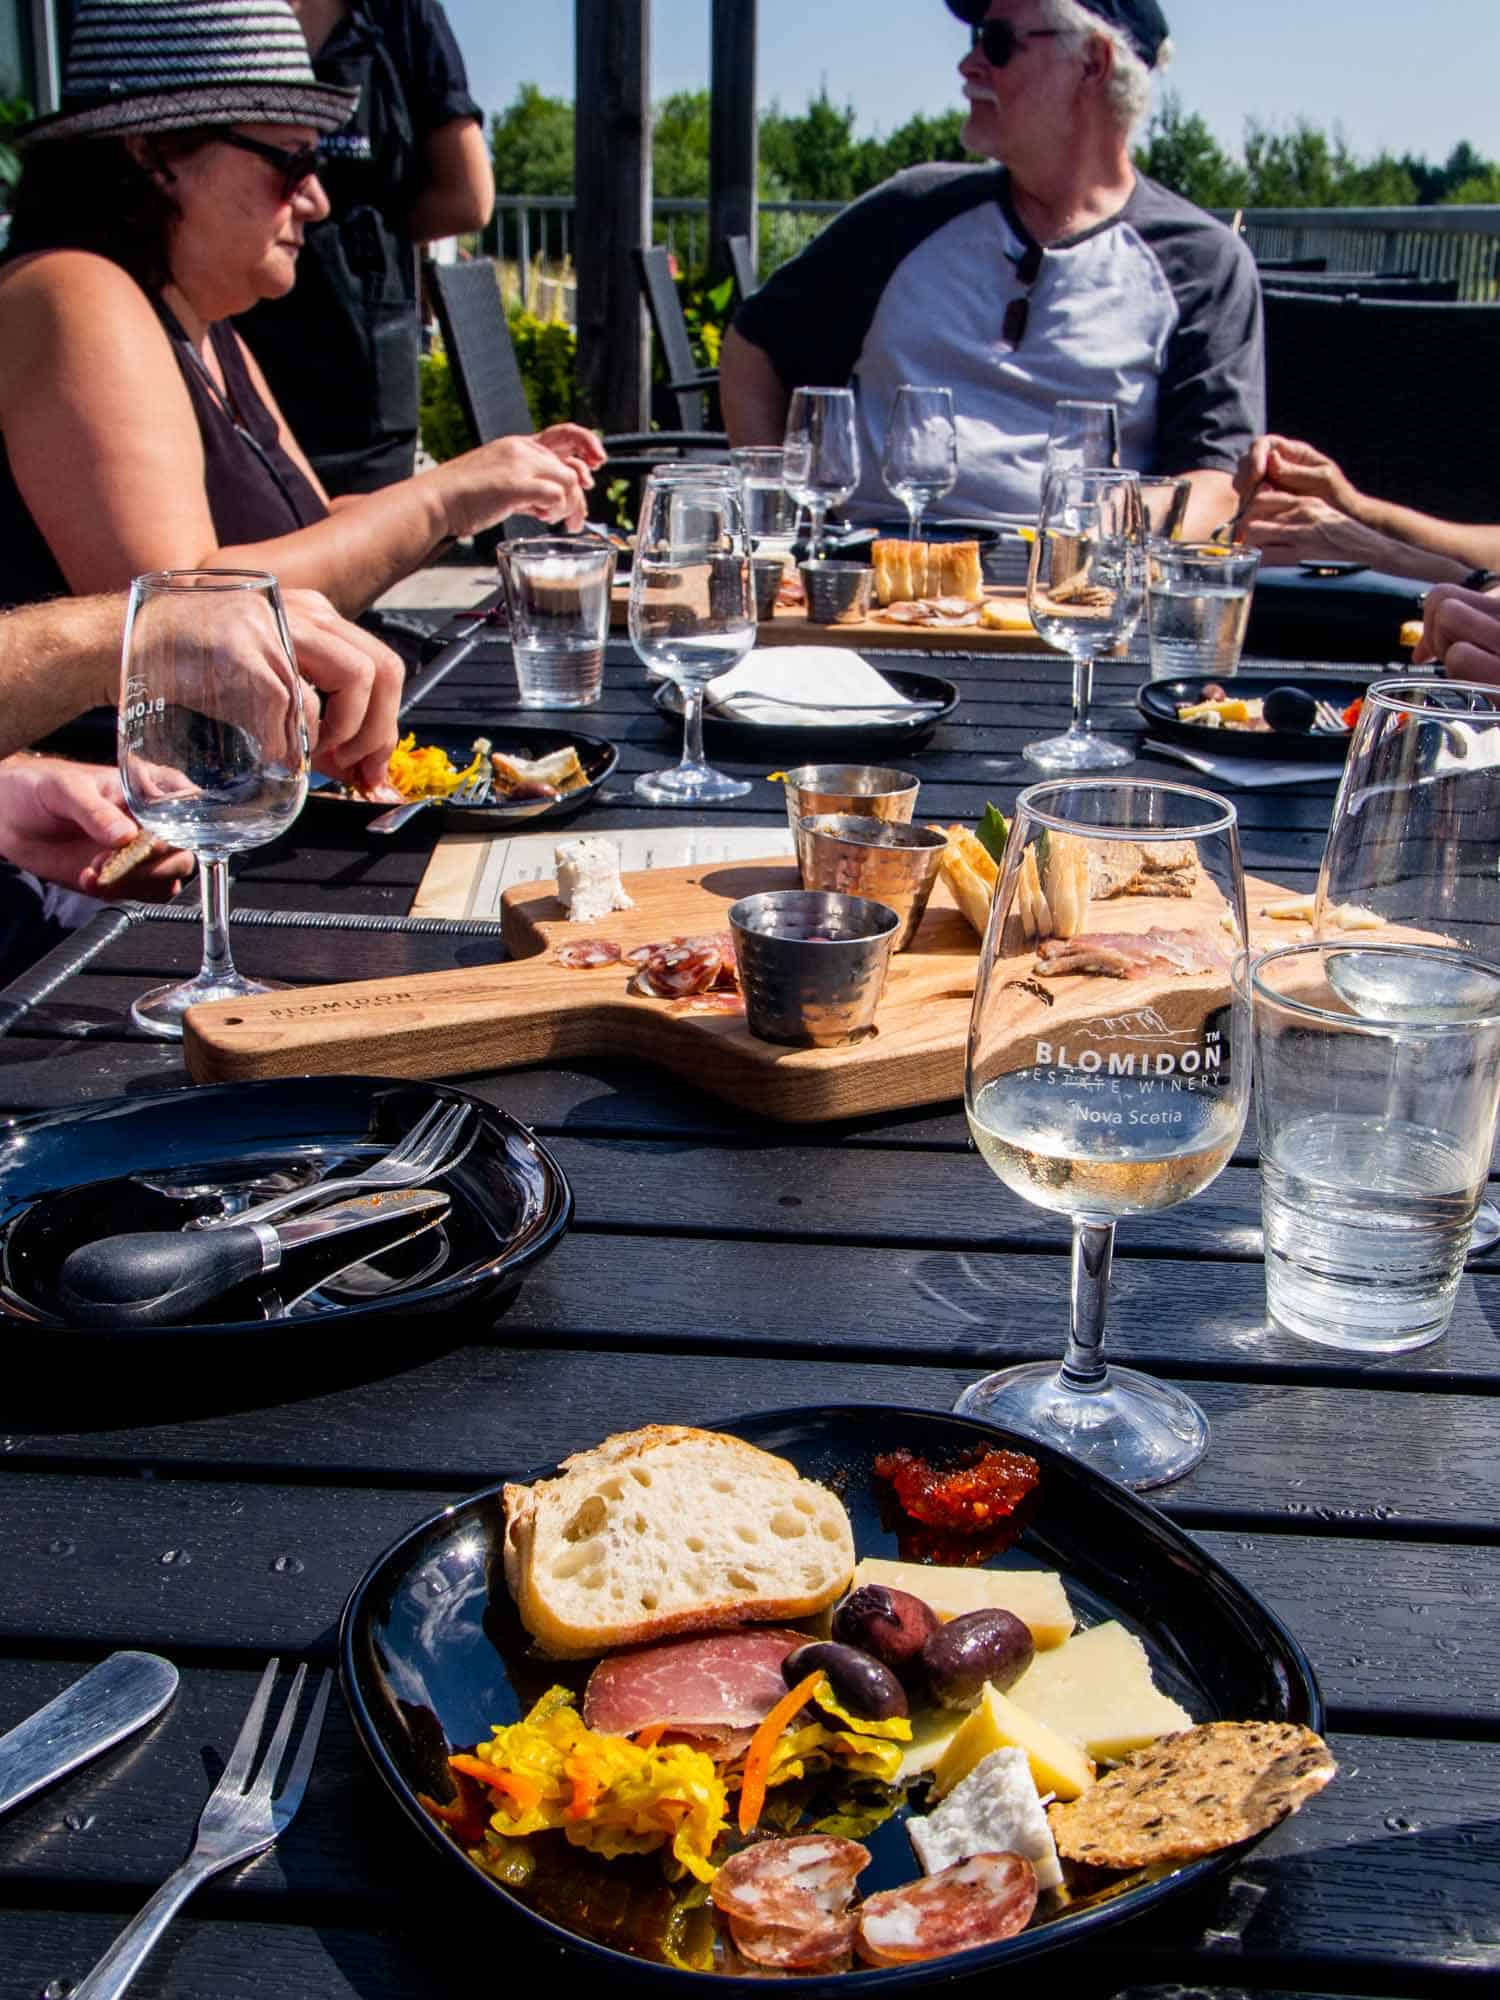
column 340, row 350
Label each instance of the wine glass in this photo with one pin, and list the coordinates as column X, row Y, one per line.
column 1413, row 841
column 820, row 454
column 770, row 511
column 1164, row 505
column 920, row 463
column 1084, row 589
column 691, row 615
column 212, row 745
column 1107, row 1079
column 1084, row 436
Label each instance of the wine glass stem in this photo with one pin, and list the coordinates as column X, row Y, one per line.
column 1093, row 1253
column 692, row 724
column 914, row 520
column 217, row 961
column 817, row 514
column 1083, row 690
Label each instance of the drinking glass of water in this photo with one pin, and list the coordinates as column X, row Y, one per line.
column 1198, row 605
column 1083, row 590
column 770, row 511
column 691, row 616
column 820, row 455
column 557, row 590
column 212, row 745
column 920, row 462
column 1108, row 1074
column 1413, row 841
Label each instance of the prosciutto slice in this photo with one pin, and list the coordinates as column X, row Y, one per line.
column 716, row 1686
column 1127, row 954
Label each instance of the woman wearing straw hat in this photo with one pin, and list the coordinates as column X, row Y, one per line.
column 171, row 191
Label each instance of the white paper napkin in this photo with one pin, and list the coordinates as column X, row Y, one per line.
column 1248, row 773
column 806, row 685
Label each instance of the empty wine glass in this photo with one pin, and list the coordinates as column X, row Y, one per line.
column 1085, row 589
column 1107, row 1077
column 691, row 615
column 920, row 463
column 212, row 745
column 820, row 454
column 1084, row 436
column 1413, row 841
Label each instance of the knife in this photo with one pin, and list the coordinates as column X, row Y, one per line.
column 111, row 1701
column 157, row 1277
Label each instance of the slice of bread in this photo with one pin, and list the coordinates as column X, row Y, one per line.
column 668, row 1530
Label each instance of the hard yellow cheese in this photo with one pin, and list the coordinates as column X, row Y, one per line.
column 1056, row 1764
column 1097, row 1690
column 1036, row 1596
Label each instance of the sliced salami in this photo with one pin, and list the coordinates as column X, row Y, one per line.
column 979, row 1901
column 639, row 953
column 822, row 1950
column 687, row 967
column 717, row 1001
column 790, row 1885
column 584, row 952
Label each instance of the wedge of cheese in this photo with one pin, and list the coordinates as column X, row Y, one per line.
column 1097, row 1690
column 995, row 1810
column 932, row 1730
column 1057, row 1764
column 1036, row 1596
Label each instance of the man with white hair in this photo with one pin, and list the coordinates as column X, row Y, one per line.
column 1058, row 271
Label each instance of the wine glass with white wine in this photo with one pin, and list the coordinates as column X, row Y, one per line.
column 1108, row 1074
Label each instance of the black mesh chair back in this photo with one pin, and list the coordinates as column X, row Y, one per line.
column 1366, row 285
column 471, row 314
column 1399, row 391
column 690, row 385
column 741, row 260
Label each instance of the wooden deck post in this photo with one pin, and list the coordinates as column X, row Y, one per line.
column 732, row 138
column 612, row 114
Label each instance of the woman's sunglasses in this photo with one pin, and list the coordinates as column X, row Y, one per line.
column 998, row 41
column 296, row 169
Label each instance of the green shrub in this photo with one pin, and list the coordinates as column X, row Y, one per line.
column 547, row 351
column 444, row 432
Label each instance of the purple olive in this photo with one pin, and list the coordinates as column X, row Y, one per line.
column 979, row 1647
column 861, row 1685
column 890, row 1625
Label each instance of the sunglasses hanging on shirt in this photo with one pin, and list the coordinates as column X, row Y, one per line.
column 1028, row 270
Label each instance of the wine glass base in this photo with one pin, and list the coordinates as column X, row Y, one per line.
column 1486, row 1231
column 1078, row 750
column 689, row 785
column 1133, row 1429
column 160, row 1011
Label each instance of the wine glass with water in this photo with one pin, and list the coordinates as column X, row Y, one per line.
column 212, row 745
column 1108, row 1075
column 1085, row 592
column 1412, row 842
column 692, row 616
column 820, row 454
column 920, row 462
column 1083, row 437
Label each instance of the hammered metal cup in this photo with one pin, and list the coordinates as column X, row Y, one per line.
column 874, row 791
column 766, row 573
column 838, row 593
column 812, row 965
column 887, row 862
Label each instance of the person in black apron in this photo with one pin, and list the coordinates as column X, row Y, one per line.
column 340, row 351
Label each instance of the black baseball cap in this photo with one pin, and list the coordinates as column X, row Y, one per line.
column 1142, row 22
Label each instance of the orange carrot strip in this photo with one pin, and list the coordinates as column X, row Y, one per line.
column 650, row 1736
column 586, row 1790
column 763, row 1742
column 524, row 1791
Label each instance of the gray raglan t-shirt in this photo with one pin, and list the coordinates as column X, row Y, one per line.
column 1156, row 310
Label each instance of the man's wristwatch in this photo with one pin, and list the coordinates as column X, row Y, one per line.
column 1481, row 579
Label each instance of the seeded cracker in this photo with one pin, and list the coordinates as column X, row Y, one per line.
column 1193, row 1793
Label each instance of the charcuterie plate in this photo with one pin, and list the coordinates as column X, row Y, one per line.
column 596, row 758
column 1159, row 702
column 433, row 1657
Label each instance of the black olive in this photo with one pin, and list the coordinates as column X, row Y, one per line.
column 860, row 1684
column 981, row 1646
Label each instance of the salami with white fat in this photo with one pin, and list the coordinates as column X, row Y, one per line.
column 822, row 1950
column 980, row 1901
column 582, row 953
column 797, row 1885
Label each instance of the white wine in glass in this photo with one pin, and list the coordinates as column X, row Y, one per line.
column 1108, row 1077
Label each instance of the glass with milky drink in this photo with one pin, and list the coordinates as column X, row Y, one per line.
column 1108, row 1074
column 557, row 588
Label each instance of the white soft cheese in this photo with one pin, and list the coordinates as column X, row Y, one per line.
column 995, row 1810
column 588, row 879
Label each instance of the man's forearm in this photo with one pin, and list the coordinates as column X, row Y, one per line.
column 751, row 394
column 56, row 660
column 1211, row 503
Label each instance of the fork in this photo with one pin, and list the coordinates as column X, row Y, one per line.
column 1326, row 716
column 472, row 792
column 240, row 1820
column 430, row 1148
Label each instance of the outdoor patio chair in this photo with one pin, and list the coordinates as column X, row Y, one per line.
column 693, row 387
column 1366, row 285
column 741, row 260
column 1398, row 390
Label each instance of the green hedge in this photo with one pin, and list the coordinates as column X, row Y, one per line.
column 546, row 351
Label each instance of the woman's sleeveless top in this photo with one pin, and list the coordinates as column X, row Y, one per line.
column 255, row 491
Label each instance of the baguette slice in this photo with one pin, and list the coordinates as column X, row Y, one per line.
column 668, row 1530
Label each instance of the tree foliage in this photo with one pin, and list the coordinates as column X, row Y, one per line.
column 531, row 143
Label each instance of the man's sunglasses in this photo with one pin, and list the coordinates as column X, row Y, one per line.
column 296, row 169
column 998, row 41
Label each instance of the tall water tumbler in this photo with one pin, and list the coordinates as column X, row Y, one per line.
column 1375, row 1136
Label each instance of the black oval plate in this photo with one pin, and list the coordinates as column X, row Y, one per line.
column 597, row 757
column 432, row 1655
column 820, row 740
column 1158, row 702
column 154, row 1162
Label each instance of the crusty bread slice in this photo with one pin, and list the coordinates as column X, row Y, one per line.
column 667, row 1530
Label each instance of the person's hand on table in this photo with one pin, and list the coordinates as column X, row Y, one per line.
column 361, row 680
column 1461, row 628
column 63, row 821
column 1289, row 465
column 1293, row 528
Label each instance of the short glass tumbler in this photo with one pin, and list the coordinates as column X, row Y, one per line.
column 1198, row 605
column 557, row 587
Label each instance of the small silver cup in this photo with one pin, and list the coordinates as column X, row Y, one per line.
column 838, row 593
column 875, row 791
column 857, row 856
column 812, row 965
column 766, row 573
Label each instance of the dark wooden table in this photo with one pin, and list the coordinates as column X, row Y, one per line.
column 717, row 1266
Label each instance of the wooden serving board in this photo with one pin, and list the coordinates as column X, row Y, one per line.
column 792, row 627
column 533, row 1010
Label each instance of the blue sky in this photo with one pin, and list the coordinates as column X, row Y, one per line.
column 1410, row 77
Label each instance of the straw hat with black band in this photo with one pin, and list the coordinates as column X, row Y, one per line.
column 142, row 66
column 1141, row 22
